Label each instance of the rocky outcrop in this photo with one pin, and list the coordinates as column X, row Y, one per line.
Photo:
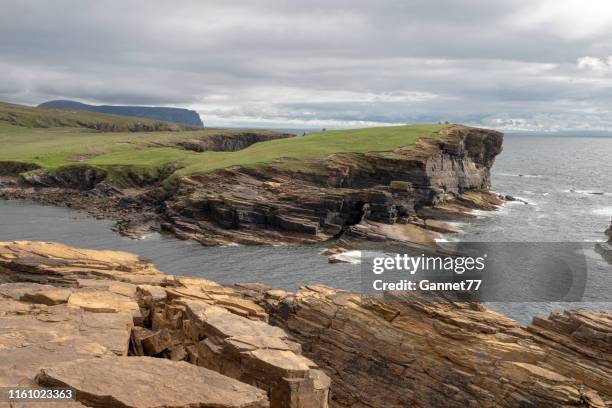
column 14, row 168
column 265, row 206
column 176, row 115
column 230, row 142
column 99, row 321
column 423, row 352
column 605, row 248
column 80, row 177
column 118, row 331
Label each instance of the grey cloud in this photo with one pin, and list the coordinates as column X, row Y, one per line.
column 305, row 63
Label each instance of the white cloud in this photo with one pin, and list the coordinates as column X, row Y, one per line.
column 595, row 64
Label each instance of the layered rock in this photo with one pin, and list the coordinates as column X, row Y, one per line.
column 303, row 201
column 270, row 205
column 434, row 353
column 116, row 329
column 61, row 307
column 149, row 382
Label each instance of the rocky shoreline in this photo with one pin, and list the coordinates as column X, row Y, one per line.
column 605, row 248
column 121, row 333
column 405, row 195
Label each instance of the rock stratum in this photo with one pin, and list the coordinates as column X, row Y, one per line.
column 365, row 190
column 405, row 194
column 121, row 333
column 176, row 115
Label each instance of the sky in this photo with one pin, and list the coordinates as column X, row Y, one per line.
column 541, row 65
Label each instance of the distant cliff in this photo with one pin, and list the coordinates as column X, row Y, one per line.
column 176, row 115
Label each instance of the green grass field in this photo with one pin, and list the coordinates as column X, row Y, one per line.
column 54, row 147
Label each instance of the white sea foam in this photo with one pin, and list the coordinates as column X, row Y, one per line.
column 607, row 211
column 148, row 235
column 447, row 239
column 518, row 175
column 478, row 214
column 586, row 192
column 352, row 257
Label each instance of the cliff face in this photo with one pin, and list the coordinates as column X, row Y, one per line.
column 176, row 115
column 310, row 199
column 43, row 118
column 278, row 204
column 423, row 353
column 121, row 333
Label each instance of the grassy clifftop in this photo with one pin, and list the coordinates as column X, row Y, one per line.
column 53, row 140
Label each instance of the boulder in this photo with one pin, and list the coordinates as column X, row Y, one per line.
column 143, row 382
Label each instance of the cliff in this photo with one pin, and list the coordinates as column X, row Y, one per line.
column 176, row 115
column 331, row 195
column 19, row 119
column 358, row 185
column 121, row 333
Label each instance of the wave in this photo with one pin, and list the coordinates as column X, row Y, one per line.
column 607, row 211
column 518, row 175
column 442, row 240
column 351, row 257
column 586, row 192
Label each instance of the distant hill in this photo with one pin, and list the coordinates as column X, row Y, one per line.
column 19, row 116
column 176, row 115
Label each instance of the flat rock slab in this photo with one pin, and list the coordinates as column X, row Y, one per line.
column 102, row 301
column 141, row 382
column 34, row 336
column 53, row 262
column 35, row 293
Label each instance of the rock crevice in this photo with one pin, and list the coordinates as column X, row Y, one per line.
column 100, row 321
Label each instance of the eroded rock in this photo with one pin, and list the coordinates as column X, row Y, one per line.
column 141, row 382
column 421, row 352
column 116, row 304
column 322, row 343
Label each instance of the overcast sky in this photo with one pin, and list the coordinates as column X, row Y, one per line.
column 529, row 65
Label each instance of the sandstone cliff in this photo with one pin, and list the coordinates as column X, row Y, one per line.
column 401, row 194
column 283, row 204
column 121, row 333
